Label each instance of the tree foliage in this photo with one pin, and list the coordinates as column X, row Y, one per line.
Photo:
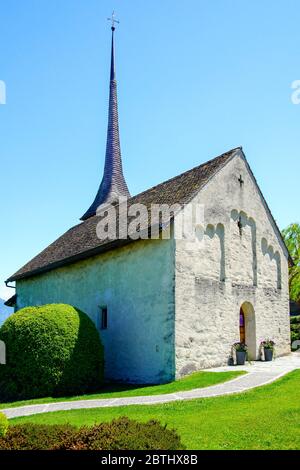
column 291, row 236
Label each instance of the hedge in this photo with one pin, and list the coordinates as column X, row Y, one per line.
column 52, row 350
column 3, row 425
column 295, row 320
column 295, row 329
column 120, row 434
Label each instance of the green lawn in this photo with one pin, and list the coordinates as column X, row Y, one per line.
column 196, row 380
column 264, row 418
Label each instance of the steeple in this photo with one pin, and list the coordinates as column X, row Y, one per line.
column 113, row 183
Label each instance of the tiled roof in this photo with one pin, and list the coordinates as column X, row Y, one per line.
column 81, row 241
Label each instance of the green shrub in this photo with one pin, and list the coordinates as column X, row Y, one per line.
column 52, row 350
column 3, row 425
column 295, row 329
column 35, row 437
column 295, row 319
column 120, row 434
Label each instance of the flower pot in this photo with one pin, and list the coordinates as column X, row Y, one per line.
column 240, row 358
column 268, row 354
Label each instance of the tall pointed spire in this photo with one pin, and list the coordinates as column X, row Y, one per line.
column 113, row 182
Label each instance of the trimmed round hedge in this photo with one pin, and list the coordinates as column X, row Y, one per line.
column 52, row 350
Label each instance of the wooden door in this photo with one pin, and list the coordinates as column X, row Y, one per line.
column 242, row 327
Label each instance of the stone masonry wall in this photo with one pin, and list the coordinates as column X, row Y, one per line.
column 211, row 288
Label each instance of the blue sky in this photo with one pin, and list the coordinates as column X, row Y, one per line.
column 195, row 78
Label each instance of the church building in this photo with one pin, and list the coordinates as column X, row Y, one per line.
column 166, row 306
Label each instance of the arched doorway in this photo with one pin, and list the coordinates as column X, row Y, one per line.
column 248, row 329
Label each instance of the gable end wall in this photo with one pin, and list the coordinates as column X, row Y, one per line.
column 217, row 274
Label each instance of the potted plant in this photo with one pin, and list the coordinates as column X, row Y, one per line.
column 241, row 353
column 268, row 346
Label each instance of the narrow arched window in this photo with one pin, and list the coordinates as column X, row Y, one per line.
column 104, row 318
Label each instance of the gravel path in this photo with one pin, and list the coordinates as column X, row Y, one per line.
column 259, row 373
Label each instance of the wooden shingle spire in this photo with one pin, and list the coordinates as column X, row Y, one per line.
column 113, row 182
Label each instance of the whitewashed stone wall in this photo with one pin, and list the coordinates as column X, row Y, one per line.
column 211, row 287
column 136, row 283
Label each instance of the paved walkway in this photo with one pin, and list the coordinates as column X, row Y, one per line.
column 259, row 373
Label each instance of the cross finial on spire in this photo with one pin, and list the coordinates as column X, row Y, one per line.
column 113, row 184
column 113, row 21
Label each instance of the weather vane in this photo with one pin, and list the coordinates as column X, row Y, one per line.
column 113, row 21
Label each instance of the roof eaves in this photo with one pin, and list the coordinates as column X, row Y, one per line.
column 11, row 302
column 70, row 260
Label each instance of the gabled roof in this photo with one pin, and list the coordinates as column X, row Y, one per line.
column 81, row 241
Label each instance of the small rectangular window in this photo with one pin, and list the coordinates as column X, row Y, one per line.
column 103, row 318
